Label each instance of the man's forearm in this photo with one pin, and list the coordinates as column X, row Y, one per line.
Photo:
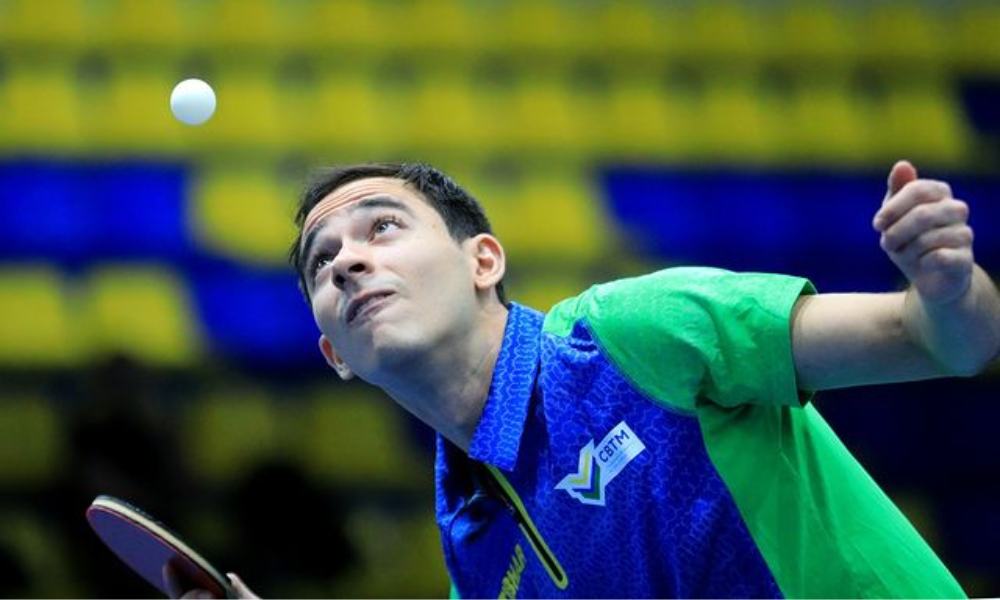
column 962, row 336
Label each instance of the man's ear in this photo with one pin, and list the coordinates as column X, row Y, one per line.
column 333, row 359
column 490, row 261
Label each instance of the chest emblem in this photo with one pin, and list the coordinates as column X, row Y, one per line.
column 601, row 463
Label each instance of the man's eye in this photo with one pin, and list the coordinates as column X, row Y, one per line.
column 319, row 263
column 384, row 224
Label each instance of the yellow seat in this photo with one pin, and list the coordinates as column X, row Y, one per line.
column 359, row 26
column 542, row 289
column 633, row 30
column 546, row 115
column 32, row 443
column 132, row 112
column 40, row 106
column 446, row 116
column 924, row 121
column 244, row 213
column 973, row 43
column 528, row 30
column 442, row 28
column 735, row 124
column 641, row 121
column 726, row 30
column 144, row 312
column 249, row 115
column 234, row 29
column 35, row 319
column 813, row 34
column 150, row 27
column 229, row 430
column 901, row 33
column 547, row 214
column 827, row 123
column 345, row 113
column 59, row 25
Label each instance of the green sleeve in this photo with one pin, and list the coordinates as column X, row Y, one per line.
column 821, row 523
column 686, row 334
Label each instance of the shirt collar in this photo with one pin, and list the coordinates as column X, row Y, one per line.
column 501, row 426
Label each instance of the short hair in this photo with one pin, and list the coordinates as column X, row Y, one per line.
column 461, row 212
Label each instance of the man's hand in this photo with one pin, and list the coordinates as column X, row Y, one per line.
column 177, row 588
column 925, row 231
column 947, row 323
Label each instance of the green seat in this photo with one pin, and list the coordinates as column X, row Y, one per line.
column 32, row 442
column 228, row 430
column 352, row 435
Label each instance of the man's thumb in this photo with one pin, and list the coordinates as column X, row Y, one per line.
column 902, row 173
column 241, row 589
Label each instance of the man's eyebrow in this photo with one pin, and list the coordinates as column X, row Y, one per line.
column 380, row 201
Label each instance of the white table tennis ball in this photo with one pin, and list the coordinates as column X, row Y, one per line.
column 192, row 101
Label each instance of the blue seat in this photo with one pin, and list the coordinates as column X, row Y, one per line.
column 75, row 212
column 257, row 317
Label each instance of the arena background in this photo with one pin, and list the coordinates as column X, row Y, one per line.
column 153, row 344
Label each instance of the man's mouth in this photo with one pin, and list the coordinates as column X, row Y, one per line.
column 365, row 304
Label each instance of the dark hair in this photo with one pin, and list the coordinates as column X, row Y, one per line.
column 462, row 214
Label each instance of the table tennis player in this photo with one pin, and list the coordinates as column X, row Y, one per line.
column 652, row 436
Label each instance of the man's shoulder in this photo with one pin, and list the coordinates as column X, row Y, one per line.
column 631, row 295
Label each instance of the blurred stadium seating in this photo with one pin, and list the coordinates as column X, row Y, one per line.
column 604, row 137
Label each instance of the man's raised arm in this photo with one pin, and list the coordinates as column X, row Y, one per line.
column 947, row 323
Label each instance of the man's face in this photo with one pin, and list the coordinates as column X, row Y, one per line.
column 385, row 277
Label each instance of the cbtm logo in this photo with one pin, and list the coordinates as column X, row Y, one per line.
column 601, row 463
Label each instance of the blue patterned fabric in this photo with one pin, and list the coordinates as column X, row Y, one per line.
column 668, row 526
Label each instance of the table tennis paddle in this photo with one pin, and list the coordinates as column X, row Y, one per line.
column 152, row 550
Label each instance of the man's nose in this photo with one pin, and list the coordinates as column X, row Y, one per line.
column 351, row 261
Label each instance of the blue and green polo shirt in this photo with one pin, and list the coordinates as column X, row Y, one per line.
column 647, row 439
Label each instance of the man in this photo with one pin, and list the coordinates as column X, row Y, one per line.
column 652, row 436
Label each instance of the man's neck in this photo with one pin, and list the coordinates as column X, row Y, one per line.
column 447, row 390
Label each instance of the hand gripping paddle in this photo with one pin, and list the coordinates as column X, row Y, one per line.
column 153, row 551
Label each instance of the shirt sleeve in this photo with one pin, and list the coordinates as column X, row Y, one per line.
column 688, row 335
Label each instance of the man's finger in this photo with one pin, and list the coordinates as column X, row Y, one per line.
column 902, row 173
column 953, row 236
column 922, row 218
column 913, row 194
